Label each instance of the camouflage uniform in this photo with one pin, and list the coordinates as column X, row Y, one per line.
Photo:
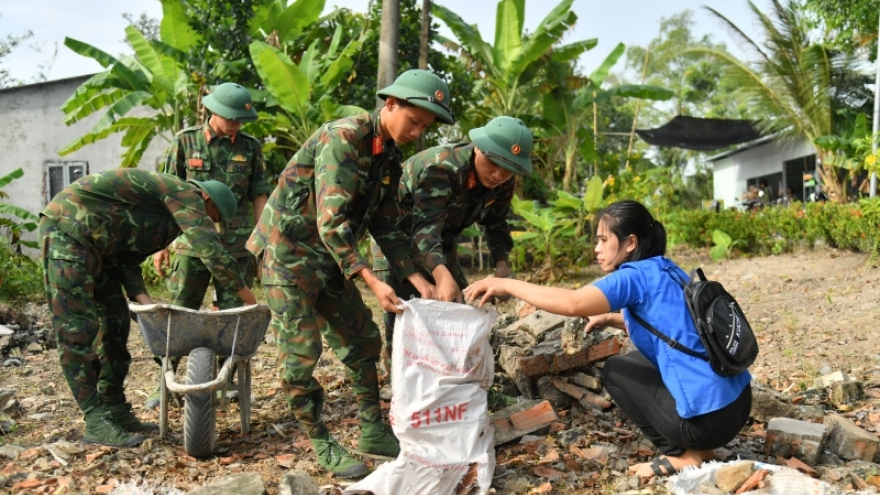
column 95, row 233
column 440, row 197
column 237, row 161
column 339, row 185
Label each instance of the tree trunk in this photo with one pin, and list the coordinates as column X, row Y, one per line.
column 424, row 46
column 389, row 37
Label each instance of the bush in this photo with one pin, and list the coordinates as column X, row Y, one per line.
column 21, row 278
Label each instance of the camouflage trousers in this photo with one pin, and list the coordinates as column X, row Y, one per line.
column 335, row 310
column 90, row 317
column 189, row 279
column 405, row 290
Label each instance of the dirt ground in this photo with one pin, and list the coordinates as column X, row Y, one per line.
column 815, row 312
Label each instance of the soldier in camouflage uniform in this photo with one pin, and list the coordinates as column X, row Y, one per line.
column 218, row 151
column 95, row 233
column 444, row 190
column 338, row 186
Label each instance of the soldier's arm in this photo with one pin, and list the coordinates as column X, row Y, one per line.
column 132, row 277
column 494, row 221
column 259, row 188
column 336, row 179
column 395, row 244
column 173, row 161
column 188, row 210
column 430, row 198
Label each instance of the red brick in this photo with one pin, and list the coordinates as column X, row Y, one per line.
column 564, row 361
column 567, row 388
column 602, row 350
column 590, row 398
column 534, row 366
column 539, row 415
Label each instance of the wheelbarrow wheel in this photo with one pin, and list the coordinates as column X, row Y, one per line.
column 199, row 412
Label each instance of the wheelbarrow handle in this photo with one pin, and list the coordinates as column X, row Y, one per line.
column 221, row 381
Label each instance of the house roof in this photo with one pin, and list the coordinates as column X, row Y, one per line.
column 743, row 147
column 700, row 134
column 10, row 89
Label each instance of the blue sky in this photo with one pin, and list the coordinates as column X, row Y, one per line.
column 100, row 23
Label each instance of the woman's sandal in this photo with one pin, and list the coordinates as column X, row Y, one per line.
column 662, row 467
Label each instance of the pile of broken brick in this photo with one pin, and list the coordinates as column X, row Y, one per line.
column 565, row 419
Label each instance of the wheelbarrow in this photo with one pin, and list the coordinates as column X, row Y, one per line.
column 172, row 332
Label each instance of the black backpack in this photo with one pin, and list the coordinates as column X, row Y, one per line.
column 721, row 324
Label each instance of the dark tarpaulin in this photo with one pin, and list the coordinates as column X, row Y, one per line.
column 692, row 133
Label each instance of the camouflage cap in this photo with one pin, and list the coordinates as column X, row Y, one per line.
column 423, row 89
column 231, row 101
column 220, row 194
column 507, row 142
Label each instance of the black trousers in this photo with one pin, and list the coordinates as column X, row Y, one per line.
column 636, row 387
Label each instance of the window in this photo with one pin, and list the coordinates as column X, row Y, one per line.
column 59, row 175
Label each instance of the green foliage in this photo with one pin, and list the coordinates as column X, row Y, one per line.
column 779, row 229
column 851, row 25
column 543, row 231
column 21, row 278
column 16, row 220
column 723, row 244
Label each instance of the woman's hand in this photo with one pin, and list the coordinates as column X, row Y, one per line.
column 605, row 320
column 489, row 288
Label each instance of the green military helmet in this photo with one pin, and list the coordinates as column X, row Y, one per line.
column 507, row 142
column 231, row 101
column 423, row 89
column 220, row 194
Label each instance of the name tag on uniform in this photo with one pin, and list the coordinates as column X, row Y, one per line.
column 239, row 158
column 195, row 162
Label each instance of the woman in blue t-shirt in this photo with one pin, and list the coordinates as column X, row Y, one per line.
column 683, row 407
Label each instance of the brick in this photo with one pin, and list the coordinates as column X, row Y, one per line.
column 849, row 441
column 537, row 416
column 604, row 349
column 586, row 381
column 827, row 380
column 537, row 323
column 793, row 438
column 521, row 419
column 534, row 366
column 591, row 400
column 568, row 388
column 565, row 361
column 848, row 392
column 555, row 359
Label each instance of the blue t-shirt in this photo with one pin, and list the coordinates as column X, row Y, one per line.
column 647, row 287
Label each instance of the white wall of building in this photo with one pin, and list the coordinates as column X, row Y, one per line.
column 732, row 170
column 35, row 130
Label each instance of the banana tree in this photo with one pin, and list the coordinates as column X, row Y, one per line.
column 567, row 111
column 515, row 59
column 301, row 93
column 154, row 78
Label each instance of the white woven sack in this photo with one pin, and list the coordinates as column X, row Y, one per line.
column 441, row 367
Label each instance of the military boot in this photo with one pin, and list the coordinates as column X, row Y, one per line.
column 121, row 415
column 377, row 438
column 334, row 458
column 101, row 430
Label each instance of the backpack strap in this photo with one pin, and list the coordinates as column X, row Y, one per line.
column 670, row 342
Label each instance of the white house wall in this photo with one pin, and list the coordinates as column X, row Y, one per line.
column 731, row 173
column 35, row 130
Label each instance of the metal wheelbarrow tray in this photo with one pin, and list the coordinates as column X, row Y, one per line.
column 174, row 331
